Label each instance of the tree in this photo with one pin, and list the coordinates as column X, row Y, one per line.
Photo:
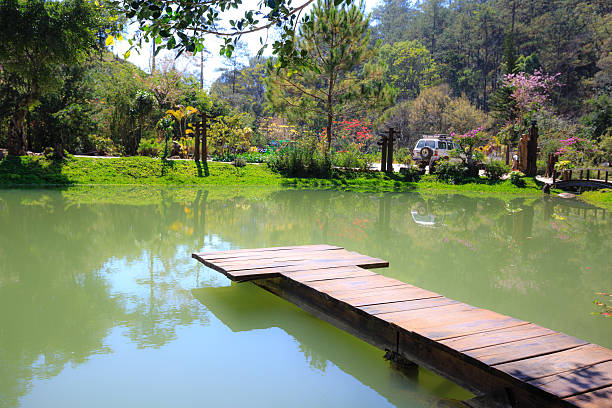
column 38, row 38
column 391, row 20
column 408, row 67
column 334, row 81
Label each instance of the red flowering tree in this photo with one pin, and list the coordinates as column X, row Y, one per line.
column 351, row 135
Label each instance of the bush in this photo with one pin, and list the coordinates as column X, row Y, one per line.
column 104, row 146
column 149, row 147
column 411, row 174
column 306, row 158
column 451, row 172
column 249, row 157
column 240, row 162
column 516, row 178
column 495, row 169
column 402, row 156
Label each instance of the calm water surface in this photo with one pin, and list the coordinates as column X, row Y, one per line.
column 102, row 306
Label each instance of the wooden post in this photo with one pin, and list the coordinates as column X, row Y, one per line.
column 581, row 171
column 196, row 147
column 383, row 159
column 598, row 174
column 532, row 150
column 204, row 138
column 606, row 176
column 588, row 173
column 390, row 139
column 570, row 174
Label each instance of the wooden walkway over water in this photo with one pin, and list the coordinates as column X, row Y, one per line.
column 503, row 360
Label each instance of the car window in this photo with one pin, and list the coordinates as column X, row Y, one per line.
column 430, row 143
column 441, row 145
column 420, row 144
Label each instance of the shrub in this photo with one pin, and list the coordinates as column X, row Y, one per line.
column 240, row 162
column 451, row 172
column 516, row 178
column 495, row 169
column 305, row 158
column 402, row 156
column 104, row 146
column 149, row 147
column 411, row 174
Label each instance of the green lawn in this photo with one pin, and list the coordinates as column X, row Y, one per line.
column 38, row 171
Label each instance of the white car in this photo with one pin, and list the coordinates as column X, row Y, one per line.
column 432, row 148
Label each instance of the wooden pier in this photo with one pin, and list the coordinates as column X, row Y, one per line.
column 503, row 360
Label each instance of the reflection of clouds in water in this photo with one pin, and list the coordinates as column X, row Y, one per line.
column 108, row 272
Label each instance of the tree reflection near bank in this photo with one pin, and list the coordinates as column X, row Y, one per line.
column 77, row 263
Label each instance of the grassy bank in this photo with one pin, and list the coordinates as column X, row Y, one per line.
column 600, row 198
column 38, row 171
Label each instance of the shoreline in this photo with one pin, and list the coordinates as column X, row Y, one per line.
column 38, row 172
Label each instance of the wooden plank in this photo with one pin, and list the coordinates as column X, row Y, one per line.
column 305, row 276
column 393, row 307
column 351, row 284
column 595, row 399
column 528, row 348
column 272, row 254
column 362, row 261
column 234, row 252
column 386, row 295
column 411, row 318
column 556, row 363
column 479, row 326
column 288, row 256
column 271, row 272
column 502, row 336
column 577, row 382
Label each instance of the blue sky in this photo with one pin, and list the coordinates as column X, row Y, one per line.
column 213, row 62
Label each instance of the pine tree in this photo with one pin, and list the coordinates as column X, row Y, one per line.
column 335, row 81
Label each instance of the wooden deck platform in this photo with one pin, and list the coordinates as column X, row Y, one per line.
column 501, row 359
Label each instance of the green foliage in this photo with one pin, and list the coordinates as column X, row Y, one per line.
column 408, row 67
column 305, row 158
column 104, row 146
column 229, row 135
column 336, row 80
column 495, row 169
column 149, row 147
column 517, row 178
column 38, row 38
column 452, row 172
column 240, row 162
column 352, row 159
column 598, row 120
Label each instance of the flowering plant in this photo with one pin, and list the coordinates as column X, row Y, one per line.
column 469, row 141
column 351, row 134
column 530, row 91
column 576, row 150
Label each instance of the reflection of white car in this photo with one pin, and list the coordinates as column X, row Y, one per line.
column 427, row 220
column 431, row 148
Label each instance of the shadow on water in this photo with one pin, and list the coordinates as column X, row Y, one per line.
column 246, row 307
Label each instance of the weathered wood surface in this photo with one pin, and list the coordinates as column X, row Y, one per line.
column 479, row 349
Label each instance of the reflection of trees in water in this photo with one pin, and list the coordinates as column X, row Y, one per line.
column 57, row 301
column 56, row 264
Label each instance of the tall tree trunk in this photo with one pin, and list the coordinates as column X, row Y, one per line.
column 330, row 112
column 17, row 143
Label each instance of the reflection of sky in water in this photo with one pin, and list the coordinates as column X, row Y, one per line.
column 120, row 314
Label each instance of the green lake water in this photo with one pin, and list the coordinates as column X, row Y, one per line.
column 101, row 304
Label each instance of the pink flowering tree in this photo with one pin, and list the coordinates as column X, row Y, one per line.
column 468, row 142
column 576, row 150
column 530, row 91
